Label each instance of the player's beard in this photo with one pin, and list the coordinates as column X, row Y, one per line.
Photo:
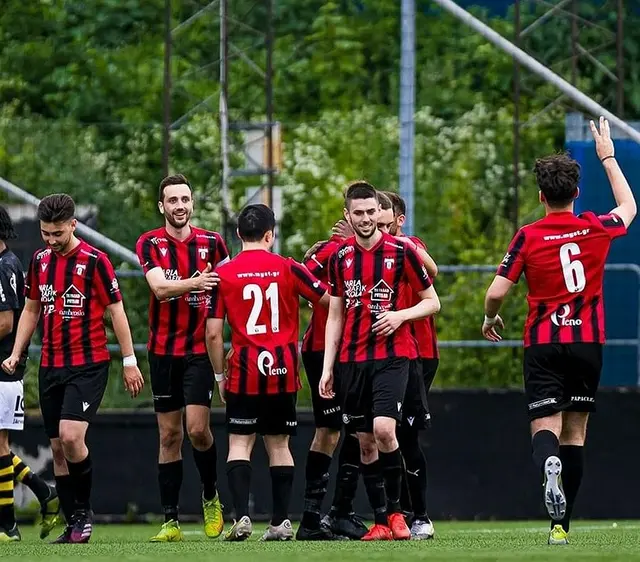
column 365, row 234
column 178, row 222
column 61, row 247
column 393, row 228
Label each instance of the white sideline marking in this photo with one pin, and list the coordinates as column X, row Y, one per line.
column 541, row 529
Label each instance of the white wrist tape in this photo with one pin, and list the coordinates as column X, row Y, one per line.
column 219, row 377
column 490, row 321
column 129, row 361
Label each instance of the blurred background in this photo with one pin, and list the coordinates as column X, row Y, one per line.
column 284, row 101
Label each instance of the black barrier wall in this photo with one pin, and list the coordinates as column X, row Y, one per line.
column 478, row 455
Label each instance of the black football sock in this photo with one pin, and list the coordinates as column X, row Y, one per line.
column 281, row 486
column 572, row 457
column 22, row 473
column 317, row 480
column 66, row 495
column 374, row 485
column 206, row 464
column 415, row 474
column 170, row 481
column 7, row 516
column 545, row 444
column 81, row 477
column 239, row 478
column 347, row 477
column 392, row 467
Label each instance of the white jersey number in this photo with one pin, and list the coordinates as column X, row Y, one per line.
column 253, row 291
column 573, row 270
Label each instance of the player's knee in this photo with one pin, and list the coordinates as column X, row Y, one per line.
column 71, row 439
column 171, row 438
column 384, row 430
column 199, row 435
column 325, row 440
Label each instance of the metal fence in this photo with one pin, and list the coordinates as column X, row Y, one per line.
column 468, row 343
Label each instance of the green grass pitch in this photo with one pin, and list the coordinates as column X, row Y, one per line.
column 475, row 541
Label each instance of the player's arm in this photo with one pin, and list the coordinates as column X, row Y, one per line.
column 133, row 379
column 214, row 338
column 626, row 204
column 388, row 322
column 26, row 326
column 332, row 337
column 425, row 258
column 164, row 288
column 8, row 304
column 6, row 323
column 309, row 286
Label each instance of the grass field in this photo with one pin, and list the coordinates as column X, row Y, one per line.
column 521, row 541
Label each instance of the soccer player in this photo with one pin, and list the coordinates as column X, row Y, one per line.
column 12, row 398
column 421, row 376
column 368, row 334
column 178, row 261
column 562, row 257
column 72, row 284
column 259, row 295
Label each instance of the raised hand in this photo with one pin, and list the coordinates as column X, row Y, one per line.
column 604, row 144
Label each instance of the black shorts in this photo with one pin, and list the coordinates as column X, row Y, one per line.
column 416, row 409
column 371, row 389
column 561, row 378
column 429, row 370
column 326, row 413
column 71, row 393
column 177, row 382
column 266, row 414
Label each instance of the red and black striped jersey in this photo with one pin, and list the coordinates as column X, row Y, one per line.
column 74, row 290
column 177, row 324
column 318, row 265
column 562, row 257
column 259, row 293
column 372, row 281
column 424, row 331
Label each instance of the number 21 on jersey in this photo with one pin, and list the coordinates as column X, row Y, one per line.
column 572, row 269
column 254, row 292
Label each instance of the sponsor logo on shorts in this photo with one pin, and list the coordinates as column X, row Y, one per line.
column 583, row 399
column 291, row 423
column 330, row 411
column 346, row 418
column 541, row 403
column 18, row 410
column 243, row 421
column 85, row 406
column 410, row 420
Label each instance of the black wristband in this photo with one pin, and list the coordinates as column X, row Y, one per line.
column 607, row 157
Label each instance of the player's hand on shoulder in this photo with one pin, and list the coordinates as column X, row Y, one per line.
column 208, row 279
column 326, row 385
column 9, row 364
column 604, row 144
column 489, row 328
column 387, row 322
column 314, row 249
column 133, row 380
column 343, row 229
column 408, row 241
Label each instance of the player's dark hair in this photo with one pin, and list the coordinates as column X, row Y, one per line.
column 7, row 231
column 558, row 176
column 399, row 206
column 254, row 222
column 176, row 179
column 384, row 201
column 57, row 207
column 359, row 189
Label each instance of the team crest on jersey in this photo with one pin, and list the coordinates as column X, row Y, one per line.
column 203, row 252
column 388, row 263
column 81, row 268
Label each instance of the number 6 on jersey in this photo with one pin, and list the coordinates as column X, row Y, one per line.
column 573, row 270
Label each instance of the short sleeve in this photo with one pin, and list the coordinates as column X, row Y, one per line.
column 416, row 272
column 512, row 264
column 8, row 290
column 319, row 260
column 147, row 254
column 31, row 290
column 306, row 284
column 336, row 288
column 222, row 254
column 216, row 307
column 106, row 282
column 613, row 225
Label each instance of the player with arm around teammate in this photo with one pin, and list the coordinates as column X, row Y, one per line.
column 563, row 258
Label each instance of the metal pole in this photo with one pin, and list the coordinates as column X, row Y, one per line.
column 576, row 95
column 269, row 94
column 166, row 117
column 407, row 107
column 93, row 236
column 224, row 119
column 620, row 58
column 516, row 122
column 574, row 42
